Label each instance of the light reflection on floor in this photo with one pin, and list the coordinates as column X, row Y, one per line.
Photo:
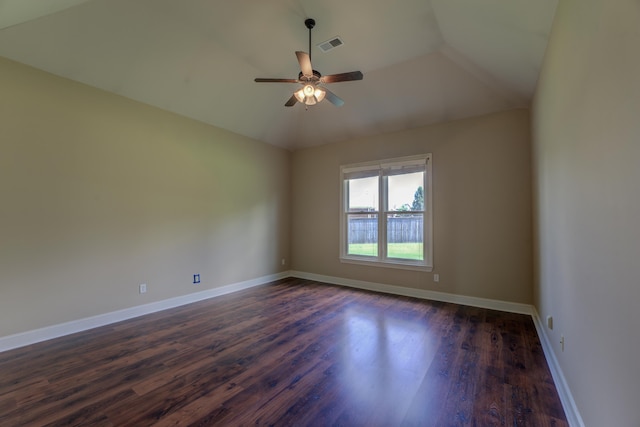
column 383, row 361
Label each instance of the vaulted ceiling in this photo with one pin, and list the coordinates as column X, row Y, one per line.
column 424, row 61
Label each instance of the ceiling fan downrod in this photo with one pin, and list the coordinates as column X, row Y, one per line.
column 310, row 23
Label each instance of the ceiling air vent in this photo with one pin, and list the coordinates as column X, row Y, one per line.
column 330, row 44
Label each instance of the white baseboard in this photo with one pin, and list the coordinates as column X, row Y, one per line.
column 512, row 307
column 569, row 405
column 31, row 337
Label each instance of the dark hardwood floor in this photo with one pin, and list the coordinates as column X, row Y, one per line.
column 294, row 352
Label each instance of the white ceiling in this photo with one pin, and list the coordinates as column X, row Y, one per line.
column 424, row 61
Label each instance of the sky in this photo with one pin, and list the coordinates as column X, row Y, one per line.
column 364, row 192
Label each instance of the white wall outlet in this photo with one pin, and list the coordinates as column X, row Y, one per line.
column 436, row 277
column 143, row 288
column 550, row 322
column 284, row 261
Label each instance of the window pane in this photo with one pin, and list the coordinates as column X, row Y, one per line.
column 405, row 192
column 405, row 236
column 363, row 194
column 362, row 235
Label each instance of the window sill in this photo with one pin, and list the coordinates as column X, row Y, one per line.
column 387, row 264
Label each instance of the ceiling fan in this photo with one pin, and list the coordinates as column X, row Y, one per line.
column 312, row 90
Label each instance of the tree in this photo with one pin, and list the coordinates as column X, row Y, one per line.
column 418, row 200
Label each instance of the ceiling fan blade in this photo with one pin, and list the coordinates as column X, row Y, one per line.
column 260, row 80
column 305, row 63
column 333, row 98
column 291, row 102
column 342, row 77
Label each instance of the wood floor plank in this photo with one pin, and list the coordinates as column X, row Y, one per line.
column 489, row 403
column 294, row 352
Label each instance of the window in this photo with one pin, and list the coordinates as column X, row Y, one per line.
column 386, row 213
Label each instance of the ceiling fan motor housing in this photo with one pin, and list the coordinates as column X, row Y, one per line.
column 316, row 76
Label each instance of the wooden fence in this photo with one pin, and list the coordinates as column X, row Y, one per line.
column 399, row 230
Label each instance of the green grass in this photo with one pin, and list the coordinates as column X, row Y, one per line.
column 395, row 250
column 370, row 249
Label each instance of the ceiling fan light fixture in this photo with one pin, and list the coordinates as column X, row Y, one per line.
column 308, row 90
column 310, row 94
column 319, row 94
column 300, row 95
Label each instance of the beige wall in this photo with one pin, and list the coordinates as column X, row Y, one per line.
column 586, row 129
column 99, row 193
column 482, row 206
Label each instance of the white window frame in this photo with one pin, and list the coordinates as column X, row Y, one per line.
column 381, row 259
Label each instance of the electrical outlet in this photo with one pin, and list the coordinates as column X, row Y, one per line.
column 143, row 288
column 284, row 261
column 196, row 279
column 562, row 342
column 550, row 322
column 436, row 277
